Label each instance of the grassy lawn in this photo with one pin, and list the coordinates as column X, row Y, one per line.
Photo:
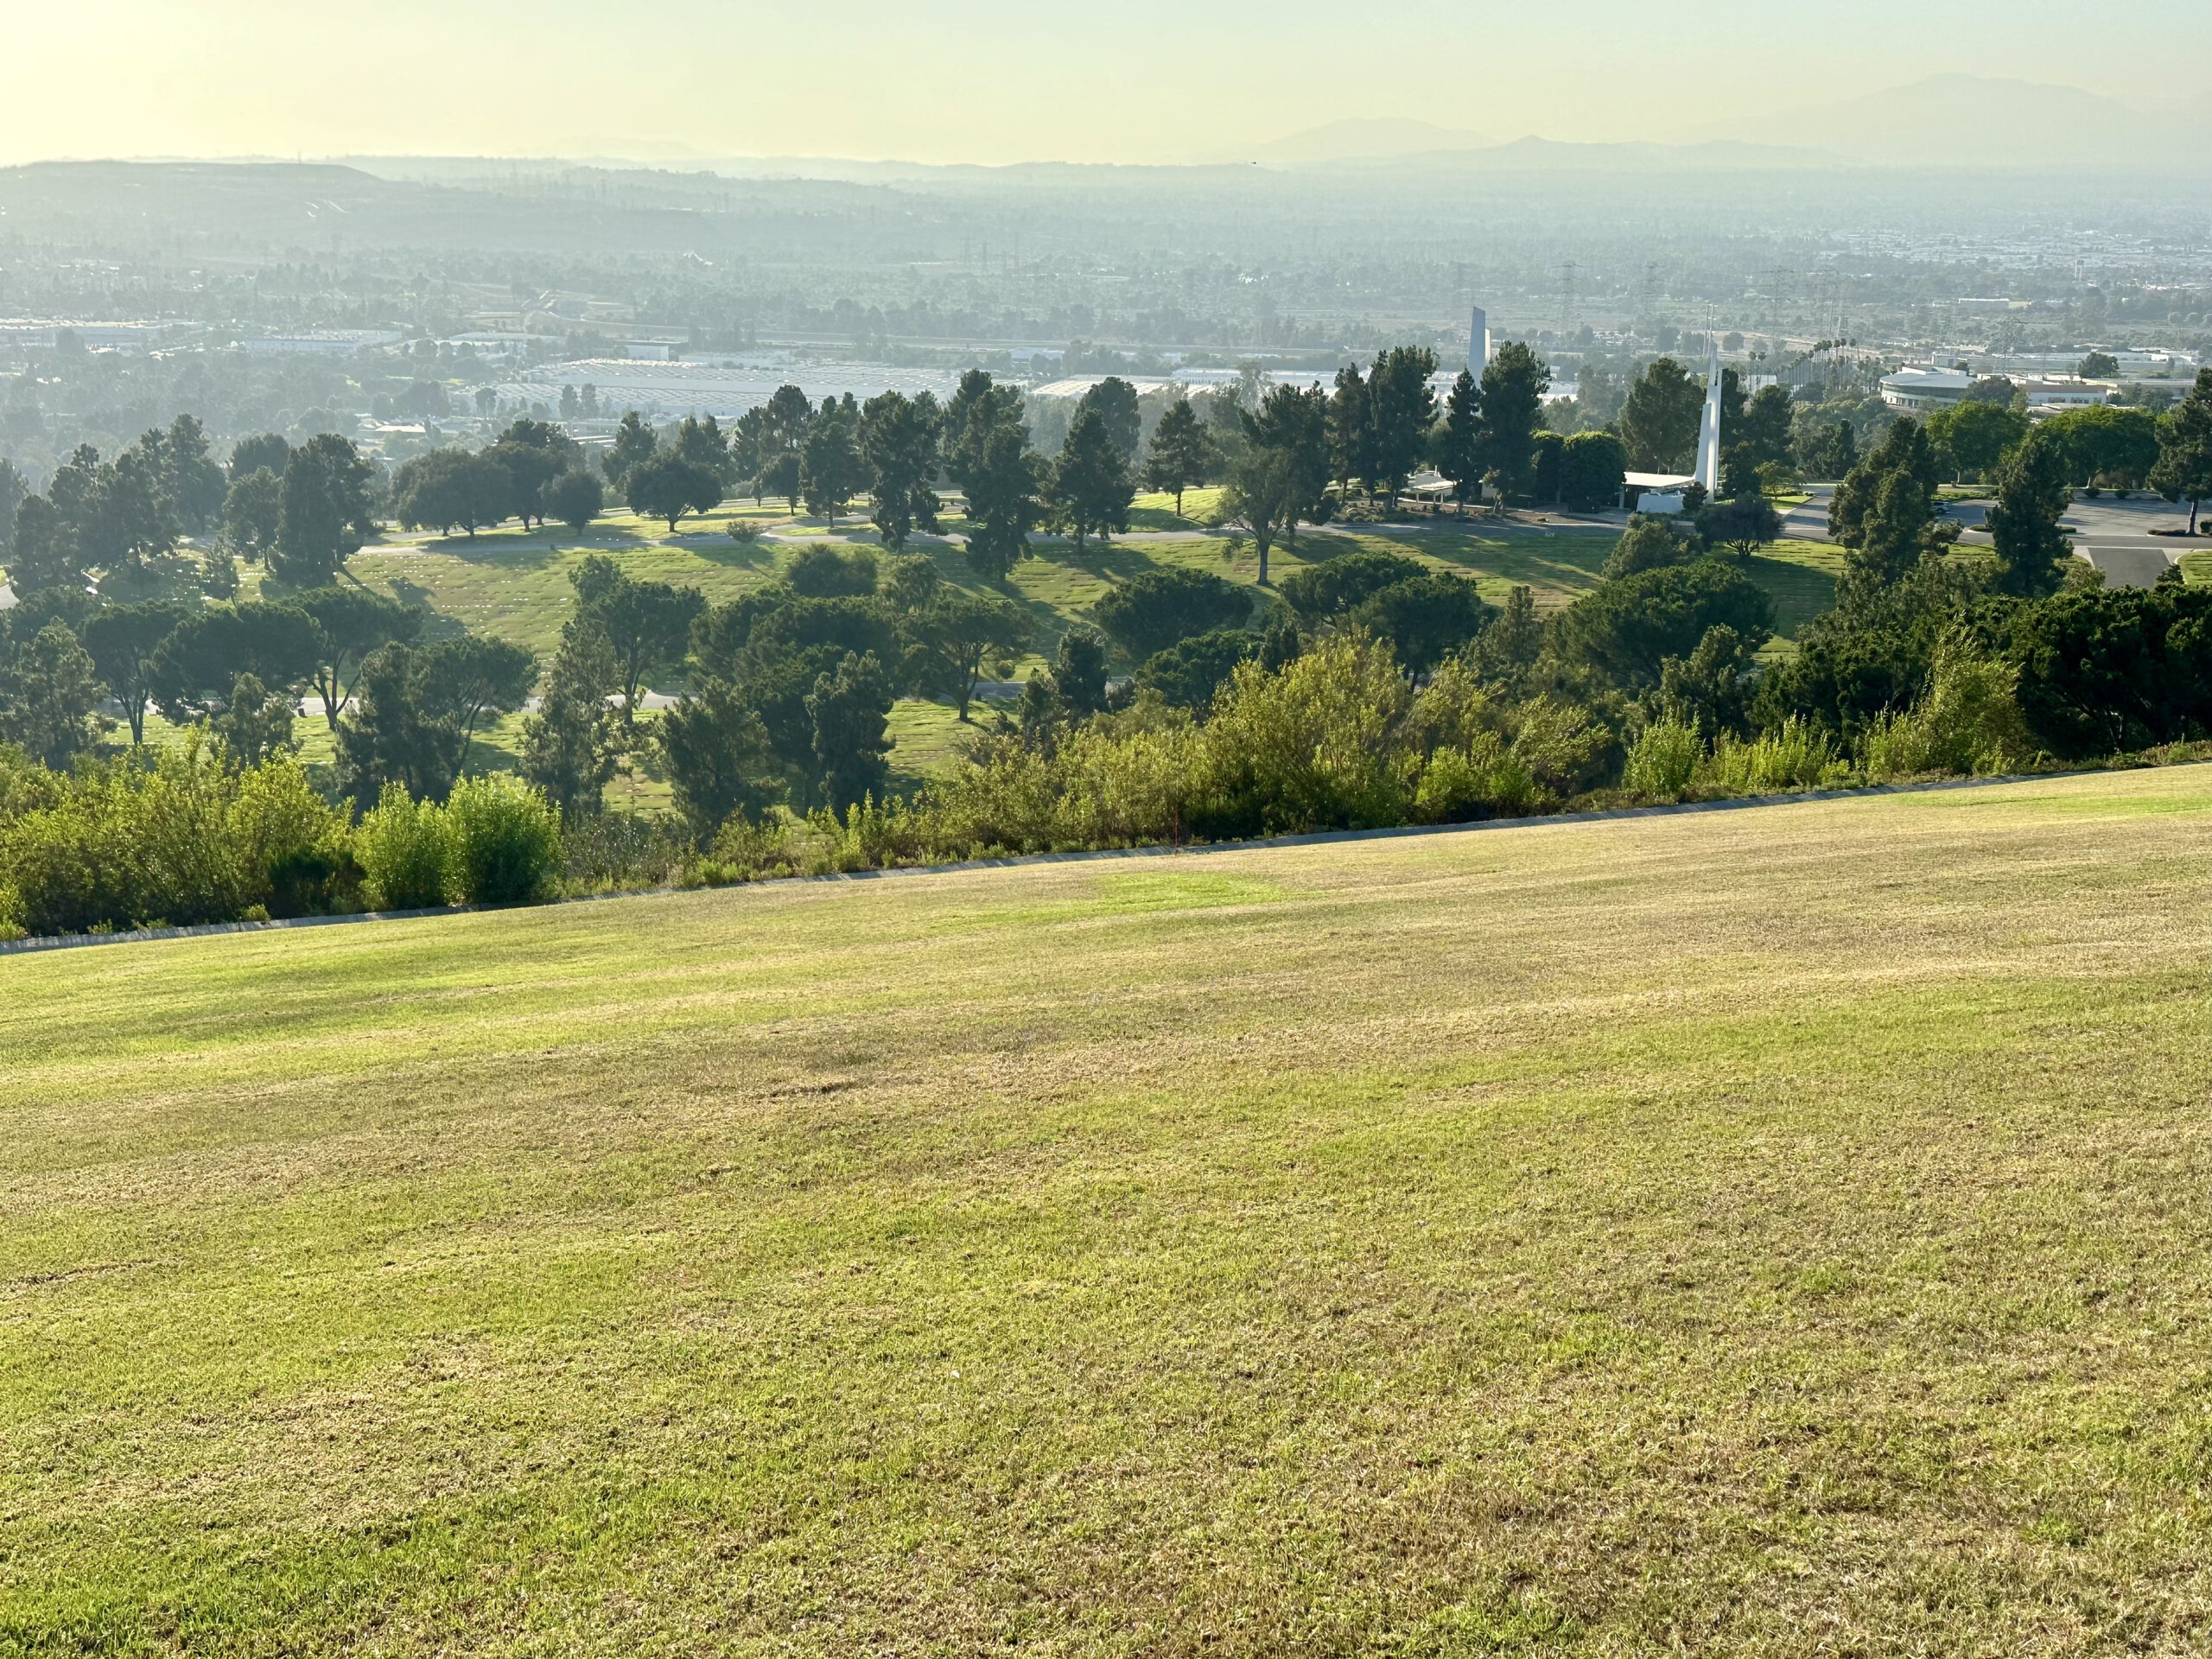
column 1761, row 1233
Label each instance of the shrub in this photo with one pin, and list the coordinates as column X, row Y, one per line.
column 744, row 531
column 405, row 849
column 1969, row 723
column 1662, row 760
column 505, row 841
column 184, row 840
column 1155, row 609
column 1483, row 780
column 1309, row 748
column 1794, row 755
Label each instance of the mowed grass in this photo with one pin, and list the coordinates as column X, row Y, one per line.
column 1759, row 1232
column 515, row 584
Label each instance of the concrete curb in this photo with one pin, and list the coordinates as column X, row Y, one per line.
column 1321, row 838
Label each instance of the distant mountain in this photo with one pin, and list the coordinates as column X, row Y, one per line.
column 1359, row 139
column 1972, row 121
column 1552, row 156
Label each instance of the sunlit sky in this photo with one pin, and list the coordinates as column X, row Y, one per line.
column 1002, row 80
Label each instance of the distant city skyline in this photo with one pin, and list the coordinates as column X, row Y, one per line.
column 994, row 81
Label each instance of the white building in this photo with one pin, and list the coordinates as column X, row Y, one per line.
column 1924, row 388
column 323, row 342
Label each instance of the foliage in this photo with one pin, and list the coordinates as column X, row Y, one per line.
column 1186, row 674
column 847, row 709
column 1662, row 760
column 570, row 746
column 322, row 511
column 899, row 438
column 1626, row 629
column 575, row 499
column 1425, row 619
column 1795, row 755
column 987, row 454
column 1651, row 542
column 1593, row 467
column 49, row 694
column 2032, row 549
column 2183, row 471
column 1976, row 436
column 2111, row 671
column 1659, row 423
column 255, row 724
column 1326, row 590
column 1742, row 525
column 1969, row 723
column 1513, row 386
column 405, row 848
column 1183, row 453
column 1153, row 609
column 666, row 486
column 1091, row 486
column 505, row 841
column 830, row 469
column 179, row 838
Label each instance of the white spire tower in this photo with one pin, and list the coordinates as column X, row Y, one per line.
column 1478, row 343
column 1709, row 431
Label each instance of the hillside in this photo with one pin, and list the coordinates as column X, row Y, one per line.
column 1682, row 1232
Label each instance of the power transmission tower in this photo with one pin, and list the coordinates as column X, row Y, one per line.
column 1567, row 299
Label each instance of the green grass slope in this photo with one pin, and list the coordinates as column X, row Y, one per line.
column 1753, row 1232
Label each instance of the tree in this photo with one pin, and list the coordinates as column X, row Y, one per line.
column 575, row 499
column 415, row 710
column 1905, row 449
column 785, row 419
column 634, row 445
column 703, row 444
column 1402, row 409
column 48, row 691
column 322, row 512
column 1625, row 630
column 190, row 479
column 1764, row 433
column 849, row 710
column 749, row 447
column 1183, row 453
column 1651, row 543
column 1513, row 387
column 1324, row 592
column 2105, row 443
column 1425, row 619
column 986, row 454
column 1294, row 424
column 898, row 450
column 667, row 488
column 44, row 555
column 1594, row 466
column 1509, row 647
column 830, row 469
column 954, row 636
column 1659, row 423
column 1079, row 670
column 1743, row 526
column 349, row 624
column 1115, row 401
column 267, row 453
column 1261, row 497
column 1825, row 451
column 1351, row 430
column 2184, row 468
column 1188, row 673
column 2033, row 549
column 256, row 724
column 1155, row 609
column 474, row 674
column 718, row 756
column 1459, row 440
column 1091, row 487
column 532, row 454
column 194, row 668
column 124, row 641
column 821, row 572
column 647, row 624
column 1547, row 468
column 2099, row 366
column 451, row 486
column 12, row 492
column 250, row 514
column 1976, row 436
column 571, row 744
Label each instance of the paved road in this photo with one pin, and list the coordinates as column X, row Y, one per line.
column 2115, row 535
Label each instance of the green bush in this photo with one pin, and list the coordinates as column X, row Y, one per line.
column 504, row 838
column 184, row 839
column 405, row 849
column 1794, row 755
column 1969, row 723
column 1663, row 760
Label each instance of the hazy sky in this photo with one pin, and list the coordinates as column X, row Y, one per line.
column 997, row 80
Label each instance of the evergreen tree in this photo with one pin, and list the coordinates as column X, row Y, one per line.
column 634, row 445
column 1182, row 453
column 849, row 710
column 898, row 450
column 1401, row 408
column 2033, row 549
column 570, row 746
column 1513, row 387
column 1659, row 422
column 1115, row 402
column 1458, row 441
column 1091, row 486
column 1351, row 431
column 668, row 486
column 322, row 511
column 2183, row 471
column 124, row 641
column 255, row 724
column 251, row 510
column 48, row 691
column 831, row 471
column 986, row 454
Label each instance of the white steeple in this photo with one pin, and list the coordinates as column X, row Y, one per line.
column 1478, row 343
column 1709, row 431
